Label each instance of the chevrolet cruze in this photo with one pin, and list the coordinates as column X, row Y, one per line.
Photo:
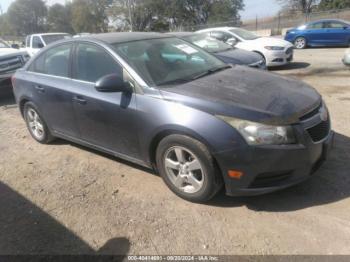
column 201, row 123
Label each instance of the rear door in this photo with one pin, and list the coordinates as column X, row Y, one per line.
column 337, row 33
column 51, row 86
column 107, row 120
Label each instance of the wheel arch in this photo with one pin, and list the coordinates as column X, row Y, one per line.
column 174, row 130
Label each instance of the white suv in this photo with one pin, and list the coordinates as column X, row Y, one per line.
column 276, row 51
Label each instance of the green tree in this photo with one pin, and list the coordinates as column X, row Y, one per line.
column 59, row 18
column 90, row 15
column 334, row 4
column 27, row 16
column 305, row 6
column 5, row 28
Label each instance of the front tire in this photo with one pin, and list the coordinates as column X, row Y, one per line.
column 300, row 43
column 36, row 124
column 188, row 168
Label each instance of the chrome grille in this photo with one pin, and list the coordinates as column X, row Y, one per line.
column 10, row 64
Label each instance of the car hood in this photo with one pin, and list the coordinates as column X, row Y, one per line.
column 247, row 94
column 9, row 51
column 269, row 41
column 239, row 57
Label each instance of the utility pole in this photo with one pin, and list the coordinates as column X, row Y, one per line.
column 130, row 16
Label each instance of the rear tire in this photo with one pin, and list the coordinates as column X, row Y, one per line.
column 300, row 43
column 36, row 125
column 188, row 168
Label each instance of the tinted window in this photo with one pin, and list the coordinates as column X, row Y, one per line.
column 316, row 26
column 93, row 62
column 336, row 25
column 54, row 61
column 37, row 43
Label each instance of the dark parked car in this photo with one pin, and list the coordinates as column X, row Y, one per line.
column 223, row 51
column 198, row 121
column 320, row 33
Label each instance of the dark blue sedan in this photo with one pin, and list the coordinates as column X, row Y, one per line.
column 320, row 33
column 199, row 122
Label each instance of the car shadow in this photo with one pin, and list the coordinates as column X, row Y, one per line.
column 328, row 185
column 28, row 230
column 291, row 66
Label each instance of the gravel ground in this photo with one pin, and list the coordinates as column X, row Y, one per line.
column 66, row 199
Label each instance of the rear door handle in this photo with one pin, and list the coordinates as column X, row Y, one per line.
column 40, row 89
column 80, row 100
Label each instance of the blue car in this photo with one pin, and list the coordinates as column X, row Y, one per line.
column 320, row 33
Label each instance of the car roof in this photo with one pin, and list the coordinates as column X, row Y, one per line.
column 49, row 34
column 181, row 34
column 329, row 20
column 113, row 38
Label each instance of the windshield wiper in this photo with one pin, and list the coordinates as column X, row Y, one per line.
column 210, row 71
column 176, row 81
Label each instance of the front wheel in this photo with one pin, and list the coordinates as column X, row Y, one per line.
column 300, row 43
column 188, row 168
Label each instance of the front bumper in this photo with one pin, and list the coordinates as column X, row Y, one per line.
column 270, row 168
column 279, row 58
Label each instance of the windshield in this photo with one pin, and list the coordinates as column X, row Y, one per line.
column 167, row 60
column 48, row 39
column 3, row 44
column 207, row 43
column 244, row 34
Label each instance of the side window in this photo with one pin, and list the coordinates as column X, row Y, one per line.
column 54, row 61
column 315, row 26
column 37, row 43
column 334, row 25
column 93, row 62
column 222, row 36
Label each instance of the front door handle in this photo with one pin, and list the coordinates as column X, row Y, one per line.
column 80, row 100
column 40, row 89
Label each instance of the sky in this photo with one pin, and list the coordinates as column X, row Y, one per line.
column 253, row 8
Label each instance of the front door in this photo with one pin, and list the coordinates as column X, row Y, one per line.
column 106, row 120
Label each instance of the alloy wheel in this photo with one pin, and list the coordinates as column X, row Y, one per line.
column 184, row 169
column 300, row 43
column 35, row 124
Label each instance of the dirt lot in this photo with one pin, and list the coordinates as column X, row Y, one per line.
column 66, row 199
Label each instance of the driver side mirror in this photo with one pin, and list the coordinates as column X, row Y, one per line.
column 232, row 41
column 112, row 84
column 40, row 45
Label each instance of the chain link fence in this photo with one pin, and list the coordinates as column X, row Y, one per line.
column 274, row 25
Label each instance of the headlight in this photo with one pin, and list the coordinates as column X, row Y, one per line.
column 274, row 48
column 260, row 134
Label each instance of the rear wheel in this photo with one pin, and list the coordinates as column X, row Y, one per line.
column 300, row 43
column 36, row 124
column 188, row 168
